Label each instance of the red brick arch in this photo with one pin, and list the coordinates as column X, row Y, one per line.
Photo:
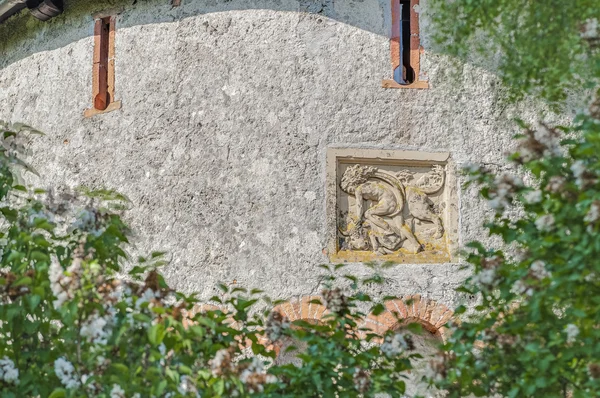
column 411, row 309
column 303, row 309
column 399, row 312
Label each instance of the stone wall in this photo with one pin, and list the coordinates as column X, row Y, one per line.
column 228, row 110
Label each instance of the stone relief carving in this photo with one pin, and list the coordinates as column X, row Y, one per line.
column 391, row 205
column 386, row 206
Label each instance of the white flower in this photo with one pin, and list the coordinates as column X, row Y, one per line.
column 98, row 329
column 362, row 381
column 556, row 184
column 525, row 152
column 91, row 387
column 88, row 221
column 520, row 287
column 549, row 139
column 186, row 386
column 117, row 392
column 254, row 376
column 572, row 332
column 485, row 277
column 56, row 274
column 590, row 29
column 533, row 197
column 122, row 292
column 504, row 190
column 8, row 372
column 578, row 169
column 146, row 297
column 593, row 214
column 275, row 325
column 162, row 348
column 334, row 299
column 35, row 215
column 256, row 366
column 538, row 270
column 498, row 203
column 545, row 223
column 64, row 283
column 222, row 362
column 396, row 344
column 65, row 371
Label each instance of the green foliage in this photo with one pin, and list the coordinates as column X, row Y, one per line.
column 538, row 47
column 535, row 330
column 341, row 358
column 70, row 326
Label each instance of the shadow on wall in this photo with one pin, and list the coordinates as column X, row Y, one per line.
column 22, row 35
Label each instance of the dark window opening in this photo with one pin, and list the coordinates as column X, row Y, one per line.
column 102, row 98
column 404, row 73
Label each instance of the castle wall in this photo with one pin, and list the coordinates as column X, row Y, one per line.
column 228, row 110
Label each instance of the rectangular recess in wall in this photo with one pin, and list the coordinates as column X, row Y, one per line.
column 405, row 46
column 391, row 205
column 103, row 72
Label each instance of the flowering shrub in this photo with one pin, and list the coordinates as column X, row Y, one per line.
column 537, row 327
column 535, row 331
column 70, row 326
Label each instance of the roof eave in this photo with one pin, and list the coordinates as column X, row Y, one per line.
column 41, row 9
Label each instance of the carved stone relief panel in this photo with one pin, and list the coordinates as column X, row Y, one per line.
column 388, row 205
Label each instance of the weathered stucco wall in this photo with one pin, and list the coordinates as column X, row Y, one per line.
column 228, row 110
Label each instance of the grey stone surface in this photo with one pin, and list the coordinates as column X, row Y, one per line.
column 229, row 107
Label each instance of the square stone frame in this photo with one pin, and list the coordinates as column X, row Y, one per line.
column 336, row 156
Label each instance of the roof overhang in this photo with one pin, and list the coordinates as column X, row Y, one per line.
column 41, row 9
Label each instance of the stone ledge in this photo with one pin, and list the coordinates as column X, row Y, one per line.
column 93, row 112
column 420, row 84
column 351, row 154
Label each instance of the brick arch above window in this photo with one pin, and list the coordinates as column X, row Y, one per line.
column 432, row 315
column 399, row 312
column 303, row 308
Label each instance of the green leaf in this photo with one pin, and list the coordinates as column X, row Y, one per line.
column 39, row 256
column 9, row 214
column 58, row 393
column 156, row 334
column 23, row 282
column 223, row 287
column 120, row 368
column 34, row 301
column 220, row 387
column 378, row 309
column 157, row 254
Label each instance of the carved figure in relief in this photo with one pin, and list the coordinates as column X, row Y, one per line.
column 382, row 227
column 419, row 204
